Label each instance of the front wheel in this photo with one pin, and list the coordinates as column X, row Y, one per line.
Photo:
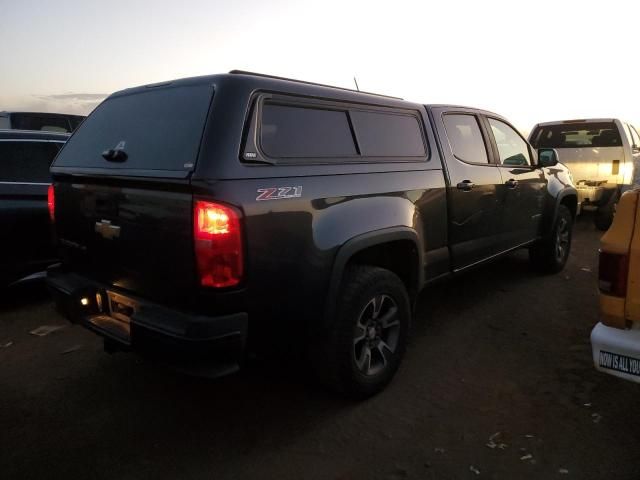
column 551, row 255
column 364, row 346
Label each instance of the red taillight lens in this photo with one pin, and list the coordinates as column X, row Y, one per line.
column 51, row 203
column 613, row 273
column 218, row 244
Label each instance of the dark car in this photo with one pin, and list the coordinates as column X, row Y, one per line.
column 25, row 233
column 52, row 122
column 199, row 219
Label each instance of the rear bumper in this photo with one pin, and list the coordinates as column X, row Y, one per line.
column 184, row 340
column 590, row 195
column 616, row 351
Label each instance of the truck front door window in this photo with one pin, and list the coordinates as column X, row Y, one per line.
column 512, row 148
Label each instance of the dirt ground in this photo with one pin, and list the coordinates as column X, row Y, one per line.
column 501, row 349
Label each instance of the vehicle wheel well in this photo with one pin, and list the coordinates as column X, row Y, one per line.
column 571, row 202
column 399, row 256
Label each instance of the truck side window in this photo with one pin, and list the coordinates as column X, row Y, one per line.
column 627, row 131
column 295, row 132
column 465, row 138
column 27, row 162
column 512, row 148
column 387, row 135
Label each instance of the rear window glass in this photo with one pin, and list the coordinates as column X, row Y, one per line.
column 26, row 161
column 289, row 132
column 577, row 135
column 51, row 123
column 158, row 129
column 388, row 135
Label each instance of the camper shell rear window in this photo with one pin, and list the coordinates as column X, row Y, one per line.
column 158, row 129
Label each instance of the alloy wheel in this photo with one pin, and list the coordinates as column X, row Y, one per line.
column 376, row 335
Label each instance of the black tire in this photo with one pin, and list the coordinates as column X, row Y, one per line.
column 603, row 218
column 551, row 254
column 372, row 314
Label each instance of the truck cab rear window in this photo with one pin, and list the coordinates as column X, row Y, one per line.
column 51, row 123
column 577, row 135
column 305, row 132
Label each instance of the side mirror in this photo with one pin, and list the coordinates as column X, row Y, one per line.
column 547, row 157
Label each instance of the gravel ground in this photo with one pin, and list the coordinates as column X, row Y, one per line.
column 500, row 349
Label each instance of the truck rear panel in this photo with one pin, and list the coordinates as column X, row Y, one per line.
column 123, row 198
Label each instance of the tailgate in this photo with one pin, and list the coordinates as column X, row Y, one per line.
column 136, row 238
column 597, row 164
column 123, row 202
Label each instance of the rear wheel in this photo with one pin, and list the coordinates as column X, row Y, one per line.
column 365, row 345
column 603, row 218
column 550, row 255
column 604, row 215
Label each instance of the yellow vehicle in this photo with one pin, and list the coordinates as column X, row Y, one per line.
column 615, row 341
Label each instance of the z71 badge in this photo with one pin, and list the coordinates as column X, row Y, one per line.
column 279, row 193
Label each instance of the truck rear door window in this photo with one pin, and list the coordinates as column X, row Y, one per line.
column 465, row 138
column 577, row 135
column 290, row 132
column 26, row 162
column 387, row 135
column 158, row 129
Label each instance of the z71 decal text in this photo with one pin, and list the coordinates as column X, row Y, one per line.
column 278, row 193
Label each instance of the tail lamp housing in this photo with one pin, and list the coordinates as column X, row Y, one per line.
column 613, row 273
column 51, row 203
column 218, row 244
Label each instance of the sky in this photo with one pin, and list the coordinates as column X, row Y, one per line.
column 530, row 61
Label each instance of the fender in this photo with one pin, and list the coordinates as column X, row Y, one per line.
column 361, row 242
column 551, row 217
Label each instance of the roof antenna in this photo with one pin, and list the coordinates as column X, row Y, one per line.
column 356, row 82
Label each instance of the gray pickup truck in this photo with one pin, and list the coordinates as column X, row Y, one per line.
column 199, row 219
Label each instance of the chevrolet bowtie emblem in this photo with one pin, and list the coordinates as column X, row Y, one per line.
column 108, row 231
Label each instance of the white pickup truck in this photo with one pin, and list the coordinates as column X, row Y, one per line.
column 603, row 155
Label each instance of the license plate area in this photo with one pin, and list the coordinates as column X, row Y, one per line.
column 121, row 308
column 114, row 319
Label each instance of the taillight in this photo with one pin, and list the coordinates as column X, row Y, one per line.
column 613, row 273
column 218, row 244
column 51, row 203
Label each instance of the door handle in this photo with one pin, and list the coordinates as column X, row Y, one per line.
column 511, row 183
column 465, row 185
